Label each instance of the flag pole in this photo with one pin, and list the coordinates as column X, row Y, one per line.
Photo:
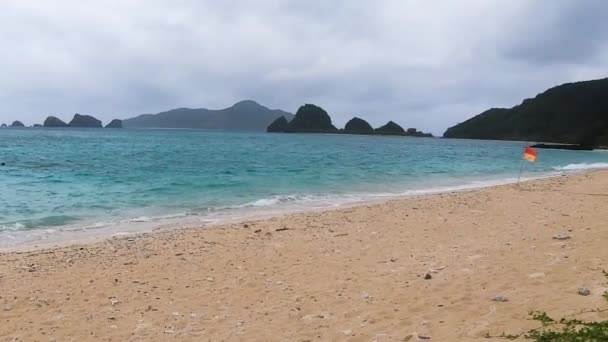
column 521, row 167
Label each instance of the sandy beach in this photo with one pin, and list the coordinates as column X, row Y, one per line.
column 351, row 274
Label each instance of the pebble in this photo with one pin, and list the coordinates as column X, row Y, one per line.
column 424, row 337
column 583, row 291
column 561, row 237
column 428, row 276
column 500, row 299
column 536, row 275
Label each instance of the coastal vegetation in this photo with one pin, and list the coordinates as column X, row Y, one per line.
column 565, row 329
column 572, row 113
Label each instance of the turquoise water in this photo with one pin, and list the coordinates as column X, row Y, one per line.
column 65, row 179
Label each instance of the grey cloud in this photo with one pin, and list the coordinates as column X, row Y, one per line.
column 421, row 63
column 560, row 32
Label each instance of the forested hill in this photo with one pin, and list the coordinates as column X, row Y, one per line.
column 574, row 113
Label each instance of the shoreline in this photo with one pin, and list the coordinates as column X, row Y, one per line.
column 355, row 274
column 91, row 234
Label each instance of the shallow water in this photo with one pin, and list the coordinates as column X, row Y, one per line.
column 66, row 179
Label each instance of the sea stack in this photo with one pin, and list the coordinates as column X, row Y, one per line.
column 390, row 128
column 85, row 121
column 17, row 123
column 358, row 126
column 279, row 125
column 115, row 124
column 311, row 119
column 52, row 121
column 413, row 132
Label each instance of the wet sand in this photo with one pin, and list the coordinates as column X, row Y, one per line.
column 351, row 274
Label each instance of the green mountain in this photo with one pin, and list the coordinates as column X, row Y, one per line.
column 311, row 119
column 574, row 113
column 245, row 116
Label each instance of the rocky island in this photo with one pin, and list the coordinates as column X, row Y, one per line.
column 114, row 124
column 311, row 119
column 358, row 126
column 279, row 125
column 84, row 121
column 52, row 121
column 17, row 123
column 390, row 128
column 314, row 119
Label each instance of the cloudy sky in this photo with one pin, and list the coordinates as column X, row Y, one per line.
column 425, row 64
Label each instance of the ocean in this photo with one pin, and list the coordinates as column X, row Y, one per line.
column 59, row 183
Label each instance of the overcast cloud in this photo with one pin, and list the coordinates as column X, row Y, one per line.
column 424, row 64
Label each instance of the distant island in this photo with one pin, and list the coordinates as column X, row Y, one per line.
column 84, row 121
column 244, row 116
column 114, row 124
column 572, row 113
column 52, row 121
column 313, row 119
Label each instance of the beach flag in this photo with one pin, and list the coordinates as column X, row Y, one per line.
column 530, row 154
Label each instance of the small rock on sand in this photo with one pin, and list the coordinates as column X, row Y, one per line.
column 500, row 299
column 561, row 237
column 428, row 276
column 583, row 291
column 424, row 337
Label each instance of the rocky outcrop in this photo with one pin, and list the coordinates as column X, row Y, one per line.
column 115, row 124
column 3, row 125
column 311, row 119
column 413, row 132
column 279, row 125
column 85, row 121
column 564, row 147
column 390, row 128
column 358, row 126
column 17, row 124
column 37, row 125
column 52, row 121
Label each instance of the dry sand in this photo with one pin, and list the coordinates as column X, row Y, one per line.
column 354, row 274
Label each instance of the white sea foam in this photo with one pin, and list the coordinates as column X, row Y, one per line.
column 582, row 166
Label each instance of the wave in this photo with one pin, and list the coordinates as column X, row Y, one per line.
column 582, row 166
column 18, row 234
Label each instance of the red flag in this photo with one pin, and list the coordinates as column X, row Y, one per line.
column 530, row 154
